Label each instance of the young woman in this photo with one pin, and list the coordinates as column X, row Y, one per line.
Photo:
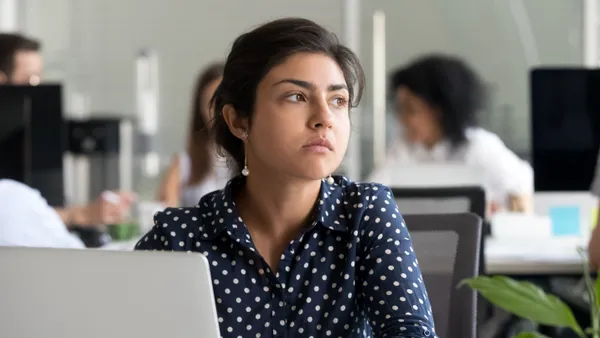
column 198, row 170
column 294, row 251
column 438, row 99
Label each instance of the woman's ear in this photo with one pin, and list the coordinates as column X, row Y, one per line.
column 237, row 125
column 3, row 78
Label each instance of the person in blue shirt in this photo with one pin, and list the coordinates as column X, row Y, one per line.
column 295, row 252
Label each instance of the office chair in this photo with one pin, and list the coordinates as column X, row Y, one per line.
column 450, row 200
column 441, row 200
column 447, row 247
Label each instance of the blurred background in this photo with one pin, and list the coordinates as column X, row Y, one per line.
column 127, row 76
column 91, row 47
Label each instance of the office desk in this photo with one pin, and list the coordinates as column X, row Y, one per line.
column 506, row 256
column 533, row 256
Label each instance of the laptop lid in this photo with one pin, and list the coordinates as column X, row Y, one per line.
column 97, row 294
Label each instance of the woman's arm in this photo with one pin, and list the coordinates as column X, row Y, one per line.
column 169, row 190
column 105, row 209
column 507, row 172
column 390, row 284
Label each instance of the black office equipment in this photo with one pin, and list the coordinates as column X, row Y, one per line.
column 32, row 139
column 565, row 127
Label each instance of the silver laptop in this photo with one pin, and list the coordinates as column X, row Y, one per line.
column 98, row 294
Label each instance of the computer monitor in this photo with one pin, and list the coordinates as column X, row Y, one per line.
column 32, row 138
column 565, row 127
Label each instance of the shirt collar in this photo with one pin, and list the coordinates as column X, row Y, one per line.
column 218, row 210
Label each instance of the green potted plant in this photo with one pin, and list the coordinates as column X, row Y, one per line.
column 528, row 301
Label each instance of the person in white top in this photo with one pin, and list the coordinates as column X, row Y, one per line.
column 198, row 170
column 26, row 219
column 438, row 99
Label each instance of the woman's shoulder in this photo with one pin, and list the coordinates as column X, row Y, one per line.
column 371, row 206
column 480, row 137
column 358, row 188
column 183, row 226
column 356, row 196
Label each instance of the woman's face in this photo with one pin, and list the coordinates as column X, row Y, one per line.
column 301, row 124
column 418, row 118
column 205, row 97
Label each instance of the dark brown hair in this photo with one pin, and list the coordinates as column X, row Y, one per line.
column 200, row 142
column 255, row 53
column 449, row 84
column 10, row 44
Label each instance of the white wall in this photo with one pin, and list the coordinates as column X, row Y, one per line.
column 92, row 44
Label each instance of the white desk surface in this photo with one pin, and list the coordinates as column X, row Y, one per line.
column 534, row 256
column 512, row 256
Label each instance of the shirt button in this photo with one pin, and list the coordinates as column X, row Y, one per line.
column 426, row 332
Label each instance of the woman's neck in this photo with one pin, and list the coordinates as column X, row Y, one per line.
column 276, row 205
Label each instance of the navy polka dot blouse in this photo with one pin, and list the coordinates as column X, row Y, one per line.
column 352, row 272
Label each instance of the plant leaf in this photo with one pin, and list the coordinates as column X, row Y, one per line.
column 530, row 335
column 597, row 286
column 525, row 300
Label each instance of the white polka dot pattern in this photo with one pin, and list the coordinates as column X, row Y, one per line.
column 352, row 273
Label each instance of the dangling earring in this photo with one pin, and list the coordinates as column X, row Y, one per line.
column 245, row 171
column 330, row 180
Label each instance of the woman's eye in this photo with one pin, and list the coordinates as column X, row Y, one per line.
column 295, row 98
column 339, row 102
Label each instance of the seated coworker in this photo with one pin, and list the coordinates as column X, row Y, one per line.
column 294, row 251
column 26, row 219
column 438, row 99
column 197, row 170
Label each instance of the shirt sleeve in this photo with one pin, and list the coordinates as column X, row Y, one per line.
column 156, row 239
column 506, row 171
column 391, row 287
column 26, row 219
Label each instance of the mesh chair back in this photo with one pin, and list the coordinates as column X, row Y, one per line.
column 441, row 200
column 448, row 247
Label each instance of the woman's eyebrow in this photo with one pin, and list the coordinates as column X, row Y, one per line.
column 311, row 86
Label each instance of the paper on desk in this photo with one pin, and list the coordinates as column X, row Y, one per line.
column 519, row 225
column 539, row 250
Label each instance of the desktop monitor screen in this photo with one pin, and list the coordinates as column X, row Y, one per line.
column 32, row 139
column 565, row 127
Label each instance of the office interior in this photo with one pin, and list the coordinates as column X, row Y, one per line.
column 129, row 67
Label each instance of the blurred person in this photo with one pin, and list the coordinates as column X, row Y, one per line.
column 21, row 207
column 288, row 243
column 26, row 219
column 198, row 170
column 20, row 60
column 438, row 99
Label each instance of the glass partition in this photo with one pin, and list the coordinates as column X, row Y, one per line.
column 501, row 39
